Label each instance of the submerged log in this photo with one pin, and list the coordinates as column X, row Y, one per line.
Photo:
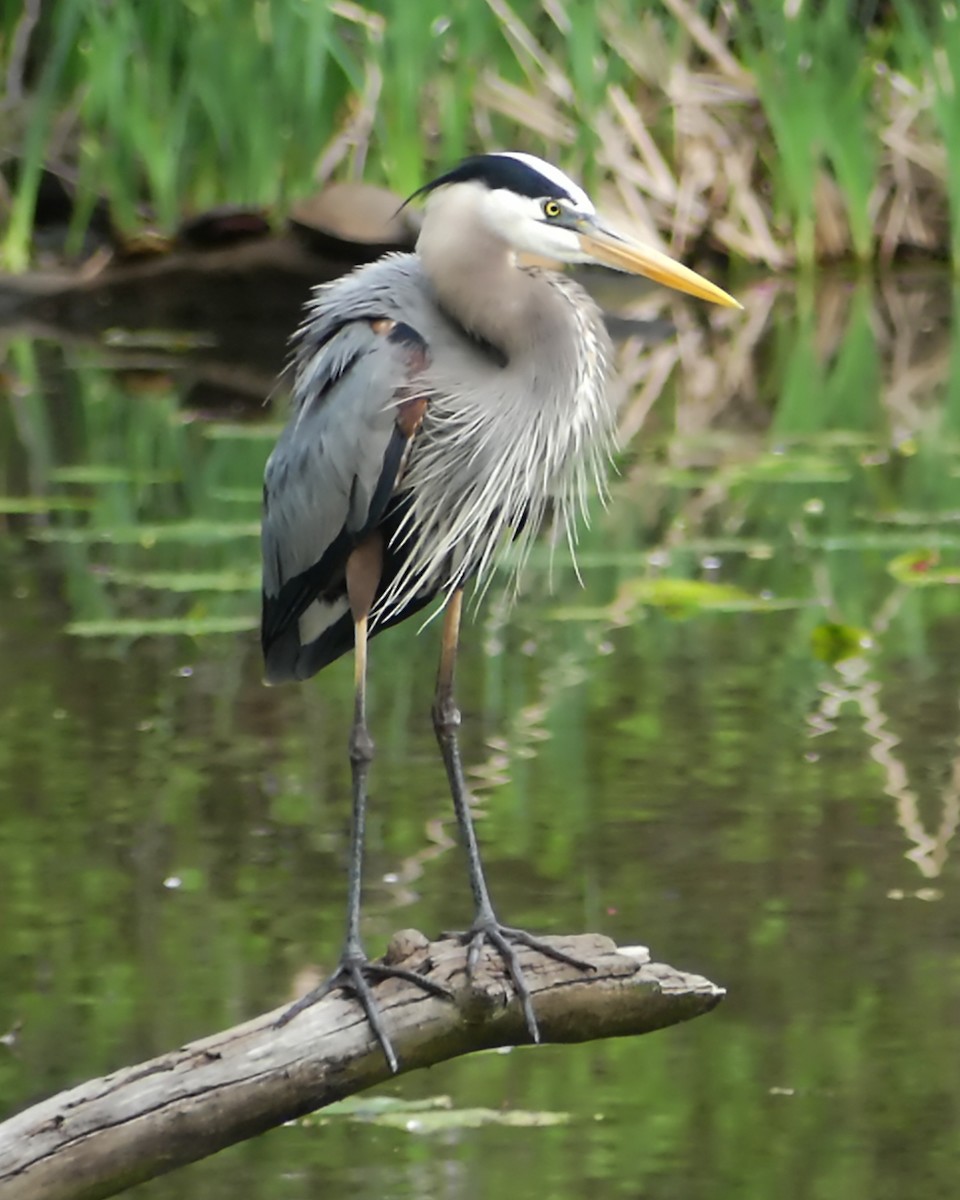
column 105, row 1135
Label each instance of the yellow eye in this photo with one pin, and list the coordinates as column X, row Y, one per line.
column 551, row 209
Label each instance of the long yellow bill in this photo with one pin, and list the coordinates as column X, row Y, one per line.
column 614, row 250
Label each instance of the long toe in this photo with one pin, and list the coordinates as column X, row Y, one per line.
column 504, row 939
column 542, row 947
column 497, row 938
column 379, row 971
column 324, row 989
column 358, row 976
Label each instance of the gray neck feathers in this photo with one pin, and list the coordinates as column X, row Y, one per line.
column 478, row 283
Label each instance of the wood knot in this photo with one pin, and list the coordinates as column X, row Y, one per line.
column 409, row 947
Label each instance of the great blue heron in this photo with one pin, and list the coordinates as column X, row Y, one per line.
column 444, row 402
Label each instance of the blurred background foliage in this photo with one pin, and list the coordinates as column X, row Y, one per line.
column 795, row 132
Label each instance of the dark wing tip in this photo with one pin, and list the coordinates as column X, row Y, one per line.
column 280, row 643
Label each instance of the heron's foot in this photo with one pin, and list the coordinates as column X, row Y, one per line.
column 504, row 939
column 357, row 974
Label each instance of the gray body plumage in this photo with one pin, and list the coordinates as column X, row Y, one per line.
column 508, row 430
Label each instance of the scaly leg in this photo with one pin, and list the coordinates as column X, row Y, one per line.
column 485, row 927
column 355, row 972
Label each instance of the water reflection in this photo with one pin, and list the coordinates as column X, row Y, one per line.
column 738, row 743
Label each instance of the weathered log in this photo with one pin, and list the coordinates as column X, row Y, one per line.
column 107, row 1134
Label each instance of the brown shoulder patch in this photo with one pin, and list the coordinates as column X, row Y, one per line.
column 410, row 414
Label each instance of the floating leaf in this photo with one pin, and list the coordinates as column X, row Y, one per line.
column 43, row 504
column 438, row 1121
column 918, row 568
column 833, row 643
column 185, row 581
column 364, row 1107
column 199, row 532
column 94, row 473
column 133, row 627
column 433, row 1114
column 685, row 597
column 224, row 431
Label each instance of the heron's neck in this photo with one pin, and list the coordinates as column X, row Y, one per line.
column 479, row 284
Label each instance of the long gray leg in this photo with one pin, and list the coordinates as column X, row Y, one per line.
column 355, row 971
column 485, row 927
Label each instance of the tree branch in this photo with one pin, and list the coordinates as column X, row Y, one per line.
column 107, row 1134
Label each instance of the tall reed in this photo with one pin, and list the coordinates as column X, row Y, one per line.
column 783, row 133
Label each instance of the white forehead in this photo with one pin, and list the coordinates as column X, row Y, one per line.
column 555, row 175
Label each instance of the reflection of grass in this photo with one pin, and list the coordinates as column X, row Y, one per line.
column 146, row 513
column 42, row 504
column 719, row 522
column 135, row 627
column 666, row 786
column 187, row 581
column 149, row 511
column 798, row 538
column 679, row 598
column 190, row 532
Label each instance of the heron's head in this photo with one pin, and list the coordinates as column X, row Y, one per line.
column 535, row 207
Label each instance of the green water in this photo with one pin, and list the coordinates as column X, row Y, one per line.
column 738, row 744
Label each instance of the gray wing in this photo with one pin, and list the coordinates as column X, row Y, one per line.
column 332, row 475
